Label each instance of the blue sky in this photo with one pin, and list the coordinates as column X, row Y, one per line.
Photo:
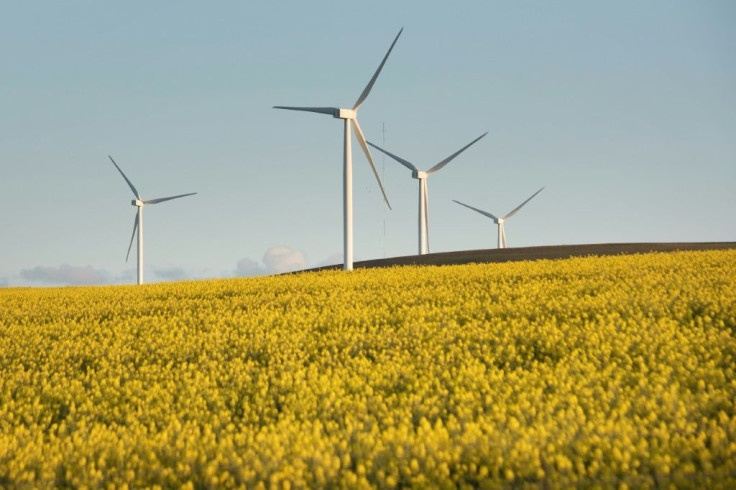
column 625, row 111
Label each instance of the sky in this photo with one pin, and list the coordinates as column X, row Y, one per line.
column 624, row 110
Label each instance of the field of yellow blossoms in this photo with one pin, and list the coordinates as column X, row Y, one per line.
column 610, row 372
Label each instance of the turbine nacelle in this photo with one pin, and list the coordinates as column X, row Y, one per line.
column 138, row 224
column 421, row 176
column 351, row 122
column 345, row 114
column 500, row 221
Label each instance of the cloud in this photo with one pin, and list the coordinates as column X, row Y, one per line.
column 334, row 259
column 276, row 260
column 248, row 268
column 157, row 274
column 284, row 259
column 66, row 274
column 128, row 276
column 171, row 273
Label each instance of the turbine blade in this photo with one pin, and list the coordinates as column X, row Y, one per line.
column 426, row 211
column 449, row 159
column 322, row 110
column 368, row 87
column 162, row 199
column 132, row 187
column 516, row 210
column 484, row 213
column 405, row 163
column 361, row 140
column 135, row 227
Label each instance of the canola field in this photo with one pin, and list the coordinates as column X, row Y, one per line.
column 615, row 372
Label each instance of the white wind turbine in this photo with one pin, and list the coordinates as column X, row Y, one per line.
column 138, row 223
column 500, row 221
column 350, row 118
column 423, row 192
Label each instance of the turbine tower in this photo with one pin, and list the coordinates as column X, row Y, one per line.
column 138, row 223
column 423, row 215
column 349, row 116
column 500, row 221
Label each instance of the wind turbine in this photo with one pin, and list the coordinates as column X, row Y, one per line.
column 500, row 221
column 423, row 192
column 349, row 116
column 138, row 223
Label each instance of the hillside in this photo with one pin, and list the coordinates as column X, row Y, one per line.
column 611, row 371
column 547, row 252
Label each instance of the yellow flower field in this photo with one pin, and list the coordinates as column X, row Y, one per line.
column 611, row 372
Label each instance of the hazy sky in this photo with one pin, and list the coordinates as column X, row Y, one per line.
column 625, row 110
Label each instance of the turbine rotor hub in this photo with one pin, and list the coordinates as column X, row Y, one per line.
column 136, row 202
column 345, row 114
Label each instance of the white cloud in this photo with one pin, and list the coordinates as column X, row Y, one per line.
column 66, row 275
column 128, row 276
column 284, row 259
column 246, row 267
column 276, row 260
column 70, row 275
column 171, row 273
column 334, row 259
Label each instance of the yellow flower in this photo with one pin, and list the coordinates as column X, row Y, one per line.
column 592, row 372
